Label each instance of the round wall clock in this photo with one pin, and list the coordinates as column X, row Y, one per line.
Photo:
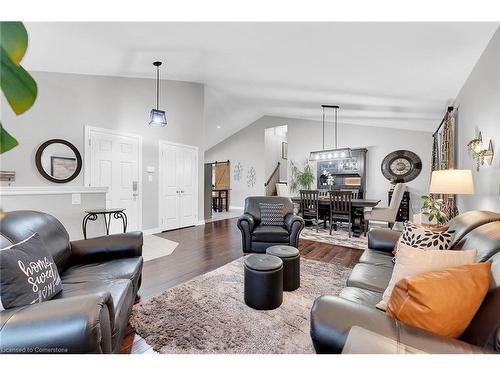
column 401, row 166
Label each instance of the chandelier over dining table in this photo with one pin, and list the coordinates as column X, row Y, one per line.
column 336, row 152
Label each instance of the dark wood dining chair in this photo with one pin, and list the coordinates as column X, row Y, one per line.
column 355, row 193
column 323, row 193
column 309, row 205
column 223, row 200
column 324, row 210
column 340, row 208
column 215, row 201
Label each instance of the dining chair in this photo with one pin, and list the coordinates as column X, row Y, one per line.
column 323, row 193
column 309, row 205
column 215, row 201
column 223, row 200
column 354, row 193
column 340, row 208
column 386, row 214
column 324, row 210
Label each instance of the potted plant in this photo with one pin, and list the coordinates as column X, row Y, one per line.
column 301, row 178
column 432, row 208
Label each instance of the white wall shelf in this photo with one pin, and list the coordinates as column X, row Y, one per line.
column 50, row 190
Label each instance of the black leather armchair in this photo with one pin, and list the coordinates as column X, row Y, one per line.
column 257, row 238
column 100, row 279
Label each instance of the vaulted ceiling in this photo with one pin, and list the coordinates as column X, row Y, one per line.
column 381, row 74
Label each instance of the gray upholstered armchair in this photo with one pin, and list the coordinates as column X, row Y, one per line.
column 256, row 238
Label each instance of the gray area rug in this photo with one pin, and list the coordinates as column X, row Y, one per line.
column 208, row 314
column 340, row 237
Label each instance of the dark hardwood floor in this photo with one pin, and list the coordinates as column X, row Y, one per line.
column 204, row 248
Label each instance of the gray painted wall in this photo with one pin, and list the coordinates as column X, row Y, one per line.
column 248, row 147
column 479, row 110
column 59, row 206
column 68, row 102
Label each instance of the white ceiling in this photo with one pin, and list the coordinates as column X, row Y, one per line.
column 381, row 74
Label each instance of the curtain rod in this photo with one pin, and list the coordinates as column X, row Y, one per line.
column 450, row 109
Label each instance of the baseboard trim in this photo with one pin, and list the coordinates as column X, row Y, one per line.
column 147, row 232
column 235, row 208
column 201, row 222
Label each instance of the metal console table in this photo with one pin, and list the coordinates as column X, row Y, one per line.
column 92, row 215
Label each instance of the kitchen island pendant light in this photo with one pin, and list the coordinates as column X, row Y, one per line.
column 334, row 153
column 157, row 117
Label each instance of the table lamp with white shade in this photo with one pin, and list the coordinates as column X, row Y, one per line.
column 451, row 182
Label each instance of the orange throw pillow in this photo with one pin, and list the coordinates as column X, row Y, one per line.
column 444, row 301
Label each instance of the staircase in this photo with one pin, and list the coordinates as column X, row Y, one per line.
column 270, row 185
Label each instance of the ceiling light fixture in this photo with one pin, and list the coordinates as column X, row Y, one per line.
column 157, row 118
column 336, row 152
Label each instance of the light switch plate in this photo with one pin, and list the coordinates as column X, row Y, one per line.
column 150, row 178
column 76, row 198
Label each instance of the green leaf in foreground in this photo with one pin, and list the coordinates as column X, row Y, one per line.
column 17, row 84
column 7, row 142
column 14, row 40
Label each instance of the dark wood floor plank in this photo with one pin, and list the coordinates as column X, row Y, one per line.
column 205, row 248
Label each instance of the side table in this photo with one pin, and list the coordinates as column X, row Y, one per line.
column 118, row 213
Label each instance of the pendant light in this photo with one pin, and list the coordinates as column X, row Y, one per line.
column 157, row 117
column 334, row 153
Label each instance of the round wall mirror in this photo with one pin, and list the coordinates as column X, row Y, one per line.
column 58, row 160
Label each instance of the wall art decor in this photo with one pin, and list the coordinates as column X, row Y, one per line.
column 251, row 177
column 237, row 172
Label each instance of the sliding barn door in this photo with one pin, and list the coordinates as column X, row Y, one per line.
column 222, row 175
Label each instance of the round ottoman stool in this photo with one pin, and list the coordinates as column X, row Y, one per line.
column 263, row 281
column 291, row 265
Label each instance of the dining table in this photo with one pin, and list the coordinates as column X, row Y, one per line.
column 358, row 206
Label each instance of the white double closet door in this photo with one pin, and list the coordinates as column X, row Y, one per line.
column 178, row 174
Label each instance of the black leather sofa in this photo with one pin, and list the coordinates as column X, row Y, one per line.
column 100, row 279
column 333, row 316
column 256, row 238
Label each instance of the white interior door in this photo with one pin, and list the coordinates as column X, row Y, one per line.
column 169, row 191
column 178, row 185
column 187, row 178
column 113, row 160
